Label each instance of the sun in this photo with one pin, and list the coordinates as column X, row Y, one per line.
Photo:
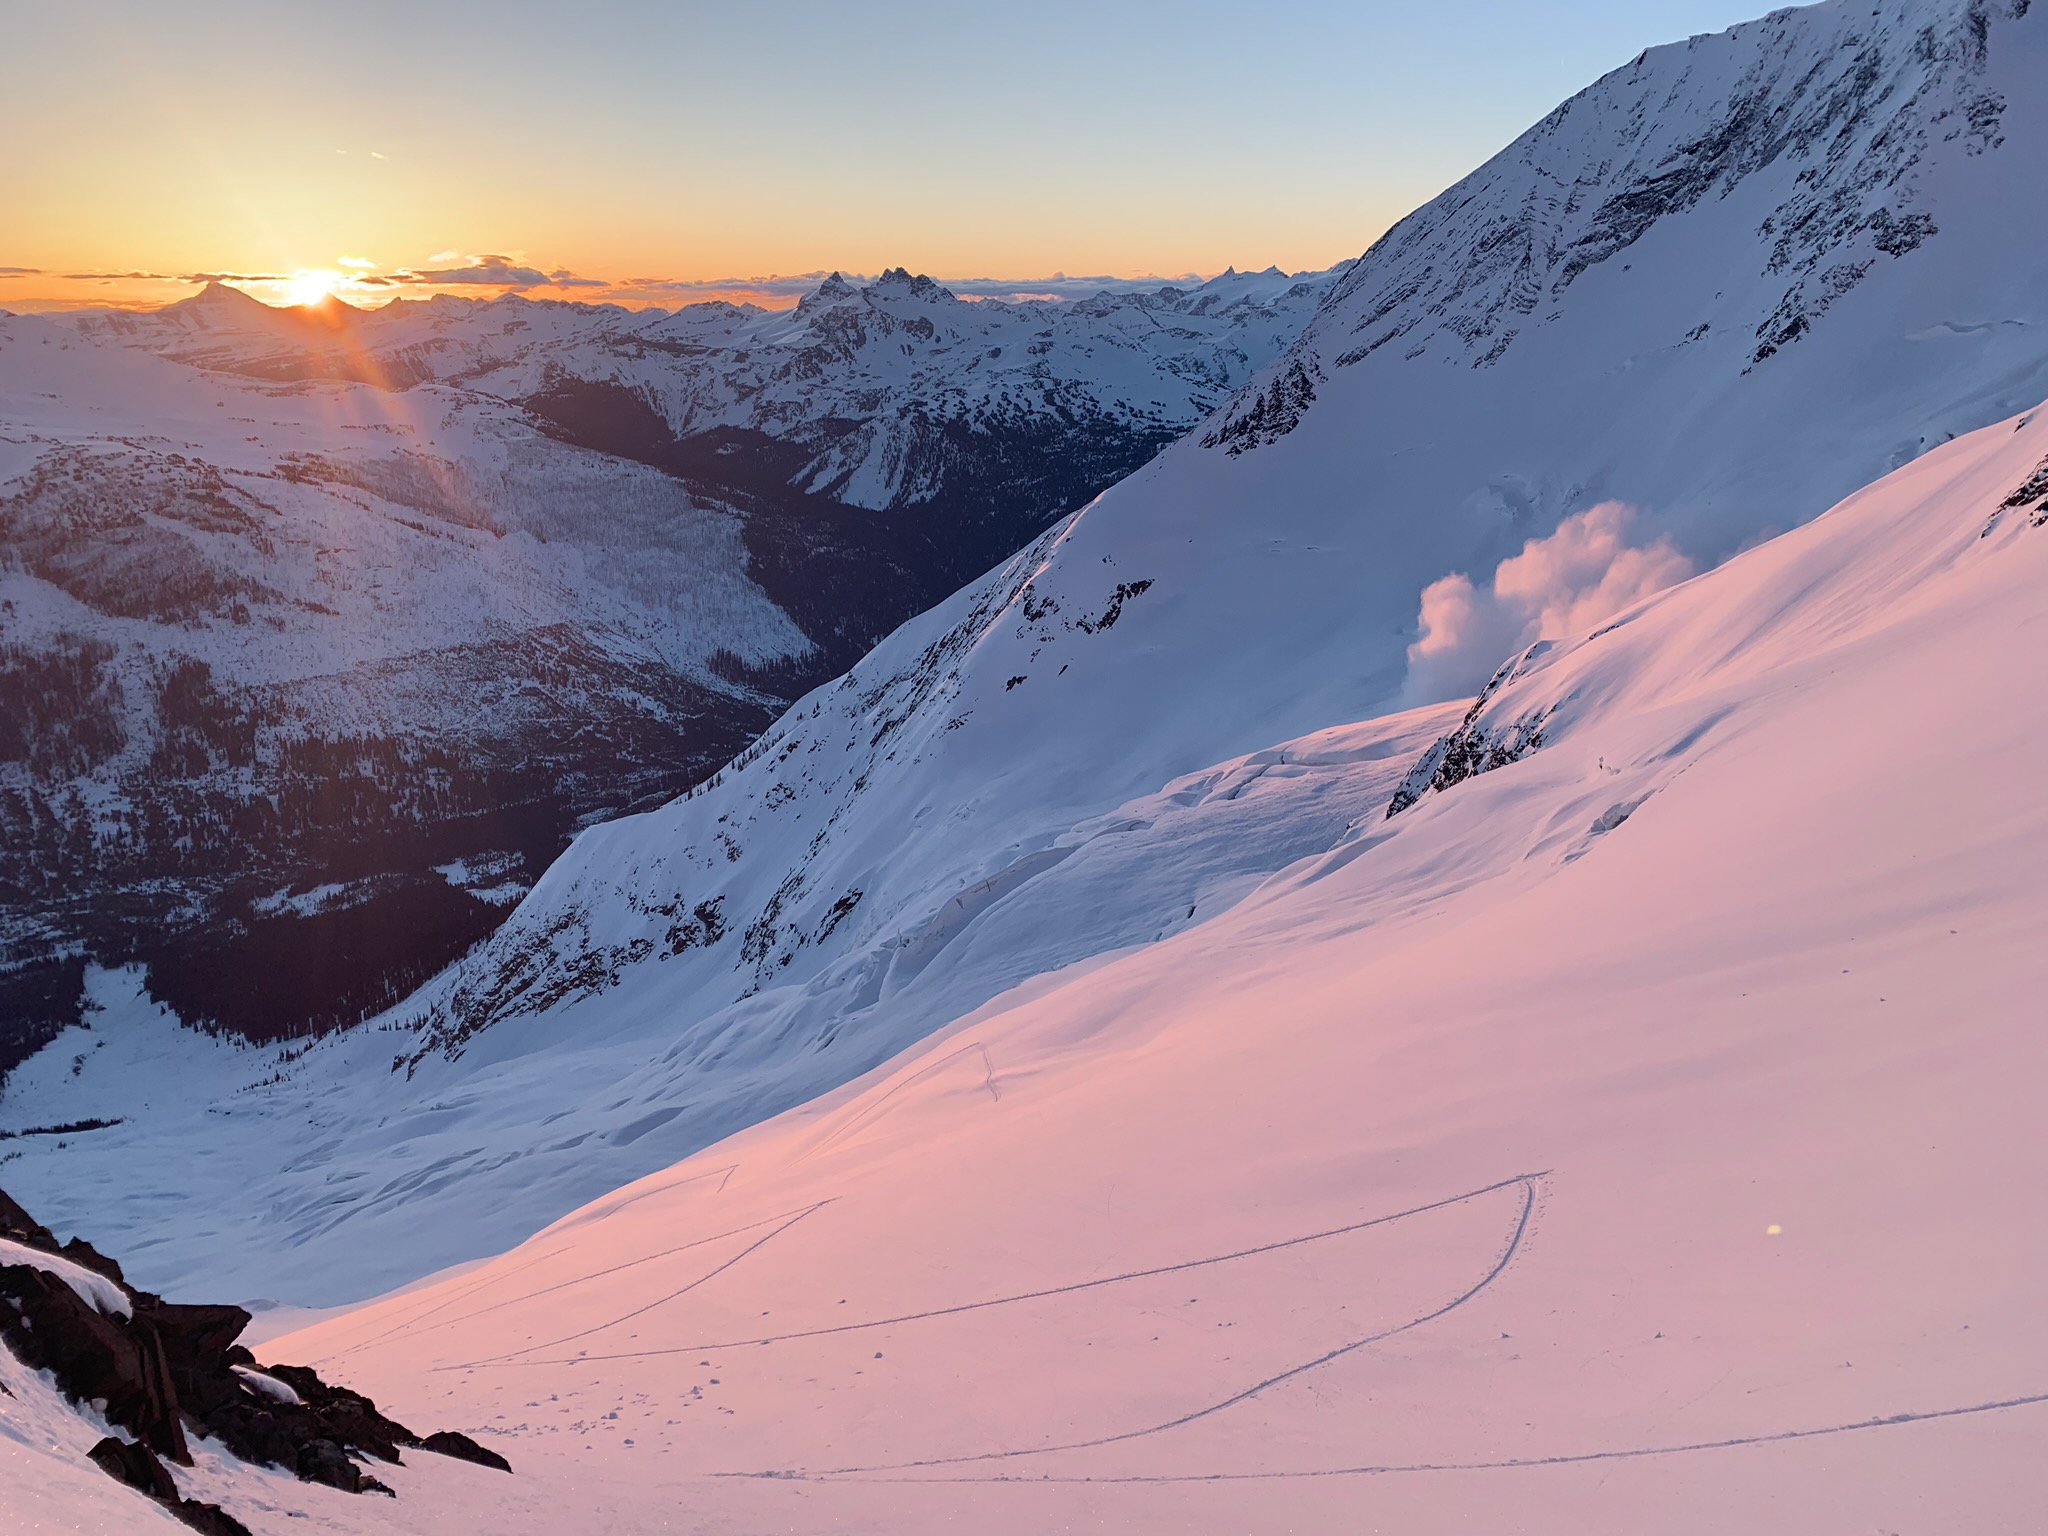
column 310, row 287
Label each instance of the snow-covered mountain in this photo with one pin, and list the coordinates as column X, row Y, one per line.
column 313, row 675
column 1627, row 1138
column 1634, row 1127
column 948, row 821
column 1342, row 975
column 321, row 629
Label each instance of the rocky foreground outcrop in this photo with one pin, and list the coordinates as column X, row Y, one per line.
column 162, row 1372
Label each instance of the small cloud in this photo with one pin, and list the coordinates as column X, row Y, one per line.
column 375, row 156
column 1555, row 588
column 341, row 151
column 128, row 277
column 358, row 263
column 235, row 279
column 440, row 256
column 493, row 271
column 21, row 271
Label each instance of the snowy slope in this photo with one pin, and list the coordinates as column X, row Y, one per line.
column 1218, row 601
column 966, row 811
column 50, row 1485
column 1627, row 1138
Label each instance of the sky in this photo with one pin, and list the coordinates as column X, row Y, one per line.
column 656, row 153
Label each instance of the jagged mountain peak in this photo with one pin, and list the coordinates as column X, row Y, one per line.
column 901, row 278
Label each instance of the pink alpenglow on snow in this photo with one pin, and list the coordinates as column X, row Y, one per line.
column 1626, row 1129
column 1459, row 951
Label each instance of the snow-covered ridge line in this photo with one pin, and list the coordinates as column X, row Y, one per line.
column 1852, row 96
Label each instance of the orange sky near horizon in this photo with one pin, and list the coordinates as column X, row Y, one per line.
column 659, row 151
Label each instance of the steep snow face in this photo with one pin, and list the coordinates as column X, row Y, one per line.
column 1218, row 602
column 986, row 797
column 1628, row 1137
column 1816, row 216
column 1839, row 117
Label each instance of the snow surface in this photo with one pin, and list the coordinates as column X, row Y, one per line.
column 91, row 1287
column 265, row 1385
column 46, row 1482
column 385, row 523
column 1509, row 1163
column 1041, row 1086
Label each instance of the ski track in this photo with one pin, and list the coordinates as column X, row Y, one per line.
column 1510, row 1464
column 512, row 1358
column 869, row 1112
column 1528, row 1182
column 546, row 1290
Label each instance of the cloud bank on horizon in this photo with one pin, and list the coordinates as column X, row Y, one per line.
column 363, row 281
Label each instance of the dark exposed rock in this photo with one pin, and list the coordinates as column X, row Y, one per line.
column 2033, row 493
column 93, row 1356
column 1262, row 416
column 208, row 1519
column 447, row 1442
column 170, row 1367
column 322, row 1461
column 1475, row 748
column 138, row 1467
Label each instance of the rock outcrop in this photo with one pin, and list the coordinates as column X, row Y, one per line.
column 159, row 1372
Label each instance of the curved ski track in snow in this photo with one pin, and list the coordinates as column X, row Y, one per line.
column 1510, row 1464
column 1527, row 1182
